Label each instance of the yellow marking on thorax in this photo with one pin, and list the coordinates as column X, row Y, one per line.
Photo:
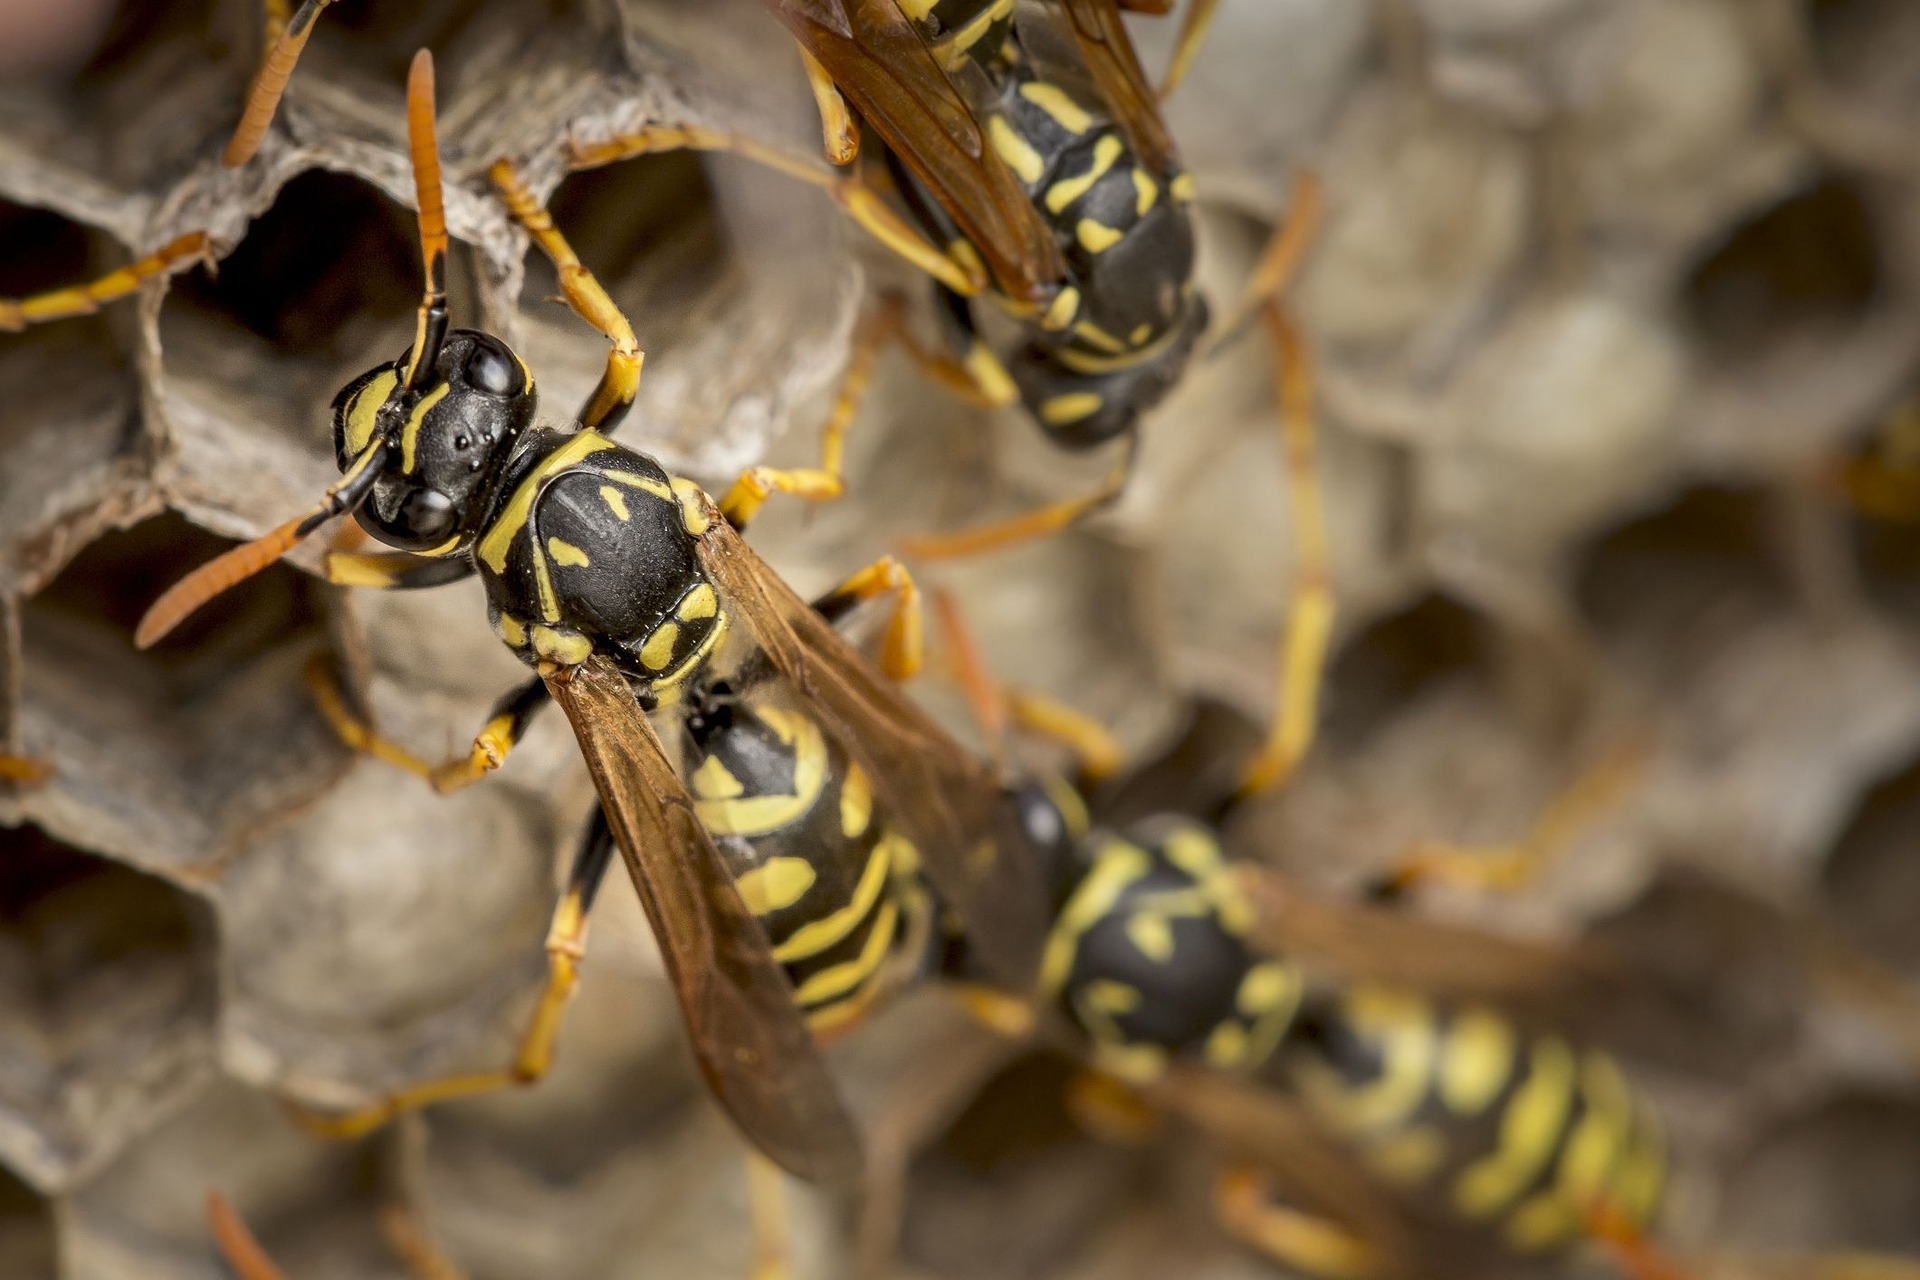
column 1475, row 1061
column 762, row 815
column 657, row 652
column 701, row 602
column 918, row 10
column 848, row 974
column 410, row 434
column 1096, row 237
column 1053, row 100
column 1118, row 866
column 1146, row 193
column 513, row 517
column 365, row 410
column 1016, row 151
column 714, row 781
column 1402, row 1026
column 1151, row 935
column 1061, row 311
column 566, row 553
column 693, row 505
column 1530, row 1128
column 1268, row 997
column 568, row 648
column 1141, row 332
column 616, row 503
column 1181, row 188
column 647, row 484
column 1193, row 851
column 815, row 936
column 775, row 884
column 856, row 801
column 1057, row 411
column 511, row 630
column 1064, row 192
column 1088, row 331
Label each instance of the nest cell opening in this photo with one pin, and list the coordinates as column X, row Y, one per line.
column 107, row 998
column 1807, row 267
column 27, row 1243
column 207, row 734
column 1397, row 660
column 1842, row 1174
column 68, row 391
column 164, row 87
column 649, row 230
column 1871, row 878
column 1680, row 585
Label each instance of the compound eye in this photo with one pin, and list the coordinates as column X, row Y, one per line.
column 428, row 516
column 491, row 368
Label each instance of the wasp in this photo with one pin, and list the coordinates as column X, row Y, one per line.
column 1021, row 158
column 623, row 586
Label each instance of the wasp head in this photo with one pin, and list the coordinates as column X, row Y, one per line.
column 449, row 435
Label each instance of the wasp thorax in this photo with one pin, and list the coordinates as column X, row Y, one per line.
column 447, row 439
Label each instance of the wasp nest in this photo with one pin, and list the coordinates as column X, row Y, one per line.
column 1603, row 288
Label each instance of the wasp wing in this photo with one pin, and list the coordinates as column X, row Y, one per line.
column 944, row 800
column 1107, row 50
column 879, row 62
column 748, row 1035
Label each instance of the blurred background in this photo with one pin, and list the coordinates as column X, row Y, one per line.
column 1607, row 296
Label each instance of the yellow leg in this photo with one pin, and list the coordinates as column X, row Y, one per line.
column 414, row 1245
column 903, row 649
column 1628, row 1246
column 491, row 745
column 286, row 37
column 839, row 135
column 566, row 947
column 1111, row 1110
column 767, row 1206
column 1096, row 751
column 1006, row 1016
column 977, row 378
column 238, row 1247
column 1514, row 866
column 1027, row 526
column 86, row 299
column 859, row 201
column 1303, row 650
column 621, row 381
column 1193, row 30
column 1244, row 1204
column 24, row 770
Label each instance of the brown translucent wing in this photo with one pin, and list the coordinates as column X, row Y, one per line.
column 1314, row 1173
column 1121, row 82
column 880, row 64
column 1695, row 1011
column 747, row 1033
column 943, row 799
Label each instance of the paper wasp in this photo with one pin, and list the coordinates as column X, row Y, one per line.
column 622, row 585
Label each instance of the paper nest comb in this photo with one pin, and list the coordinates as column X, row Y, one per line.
column 1603, row 284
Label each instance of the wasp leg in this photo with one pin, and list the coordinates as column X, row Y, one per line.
column 238, row 1247
column 414, row 1245
column 974, row 374
column 566, row 947
column 614, row 395
column 1303, row 648
column 1193, row 31
column 506, row 725
column 767, row 1209
column 1626, row 1243
column 286, row 37
column 1513, row 866
column 839, row 134
column 854, row 196
column 24, row 770
column 1246, row 1209
column 86, row 299
column 1111, row 1110
column 1096, row 752
column 1028, row 525
column 903, row 649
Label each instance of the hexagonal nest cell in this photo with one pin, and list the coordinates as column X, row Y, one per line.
column 1578, row 434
